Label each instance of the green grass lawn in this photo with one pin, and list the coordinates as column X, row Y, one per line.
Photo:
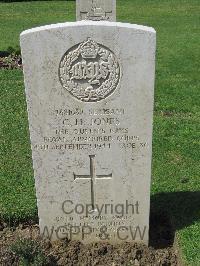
column 176, row 164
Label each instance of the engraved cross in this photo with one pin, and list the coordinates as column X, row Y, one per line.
column 93, row 177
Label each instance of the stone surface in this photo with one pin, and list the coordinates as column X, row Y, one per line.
column 96, row 10
column 89, row 88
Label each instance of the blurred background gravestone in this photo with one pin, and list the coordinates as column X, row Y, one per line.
column 96, row 10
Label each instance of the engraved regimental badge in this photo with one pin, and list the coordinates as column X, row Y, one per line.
column 89, row 71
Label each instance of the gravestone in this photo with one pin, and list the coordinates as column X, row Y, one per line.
column 89, row 90
column 96, row 10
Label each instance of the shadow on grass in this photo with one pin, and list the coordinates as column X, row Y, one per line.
column 4, row 53
column 11, row 50
column 170, row 212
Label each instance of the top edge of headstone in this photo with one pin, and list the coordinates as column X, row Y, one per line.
column 89, row 23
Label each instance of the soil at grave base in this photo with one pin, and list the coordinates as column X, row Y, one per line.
column 74, row 253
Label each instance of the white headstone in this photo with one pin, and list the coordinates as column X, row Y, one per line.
column 96, row 10
column 89, row 88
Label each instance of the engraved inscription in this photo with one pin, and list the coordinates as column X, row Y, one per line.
column 93, row 176
column 89, row 71
column 91, row 130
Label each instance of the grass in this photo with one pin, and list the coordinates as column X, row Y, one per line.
column 16, row 17
column 176, row 164
column 29, row 252
column 17, row 199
